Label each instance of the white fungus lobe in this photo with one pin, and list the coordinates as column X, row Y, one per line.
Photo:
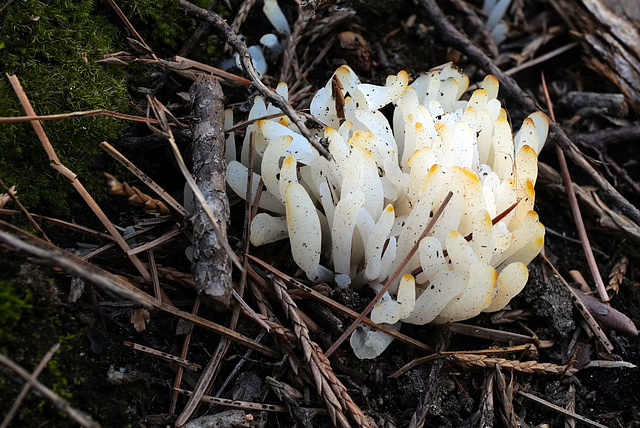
column 355, row 218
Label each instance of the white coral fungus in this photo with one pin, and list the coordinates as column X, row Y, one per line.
column 353, row 219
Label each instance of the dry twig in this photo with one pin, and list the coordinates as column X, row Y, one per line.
column 560, row 409
column 211, row 266
column 71, row 176
column 76, row 266
column 79, row 417
column 245, row 59
column 575, row 208
column 11, row 196
column 25, row 389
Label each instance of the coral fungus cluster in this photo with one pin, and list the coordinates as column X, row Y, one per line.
column 353, row 219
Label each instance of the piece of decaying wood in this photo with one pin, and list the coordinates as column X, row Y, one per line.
column 610, row 318
column 211, row 265
column 610, row 39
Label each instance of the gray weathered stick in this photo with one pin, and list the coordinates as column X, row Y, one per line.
column 211, row 265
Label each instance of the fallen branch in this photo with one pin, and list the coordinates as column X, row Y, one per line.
column 211, row 265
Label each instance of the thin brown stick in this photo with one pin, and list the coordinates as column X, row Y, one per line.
column 89, row 113
column 245, row 59
column 112, row 244
column 458, row 41
column 71, row 176
column 181, row 362
column 186, row 63
column 392, row 278
column 560, row 409
column 25, row 389
column 130, row 27
column 62, row 223
column 541, row 58
column 183, row 354
column 26, row 213
column 575, row 208
column 169, row 236
column 78, row 416
column 244, row 404
column 157, row 291
column 490, row 334
column 115, row 284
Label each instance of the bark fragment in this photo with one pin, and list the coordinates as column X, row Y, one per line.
column 211, row 265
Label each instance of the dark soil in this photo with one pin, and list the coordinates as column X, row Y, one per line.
column 118, row 386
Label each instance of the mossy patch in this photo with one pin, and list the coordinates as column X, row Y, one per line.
column 161, row 23
column 12, row 307
column 52, row 48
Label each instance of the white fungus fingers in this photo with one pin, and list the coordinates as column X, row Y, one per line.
column 353, row 219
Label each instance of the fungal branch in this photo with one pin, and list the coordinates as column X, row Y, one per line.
column 360, row 218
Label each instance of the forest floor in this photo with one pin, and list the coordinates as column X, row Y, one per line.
column 118, row 360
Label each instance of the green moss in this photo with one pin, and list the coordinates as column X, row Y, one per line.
column 161, row 23
column 60, row 383
column 12, row 307
column 44, row 44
